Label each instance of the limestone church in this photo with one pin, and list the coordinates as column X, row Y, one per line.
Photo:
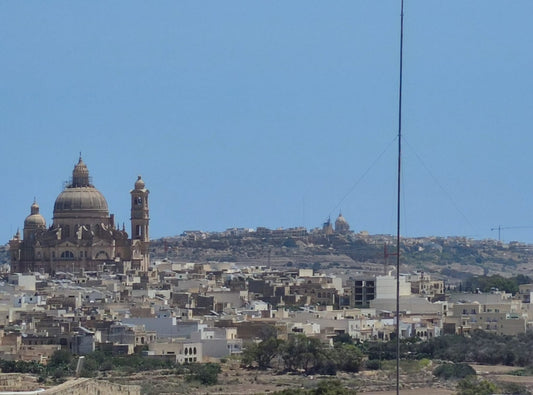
column 83, row 235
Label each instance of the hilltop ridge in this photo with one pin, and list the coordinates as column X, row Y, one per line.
column 453, row 258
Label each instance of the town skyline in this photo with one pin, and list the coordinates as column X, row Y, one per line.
column 274, row 115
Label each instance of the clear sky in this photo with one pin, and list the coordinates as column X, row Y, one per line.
column 273, row 113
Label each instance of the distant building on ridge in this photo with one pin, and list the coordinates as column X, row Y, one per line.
column 341, row 225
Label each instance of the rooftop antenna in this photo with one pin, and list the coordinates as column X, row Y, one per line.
column 398, row 210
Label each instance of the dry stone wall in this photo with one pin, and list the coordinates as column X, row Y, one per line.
column 92, row 386
column 13, row 382
column 17, row 382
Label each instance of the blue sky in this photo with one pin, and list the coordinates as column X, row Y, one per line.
column 276, row 114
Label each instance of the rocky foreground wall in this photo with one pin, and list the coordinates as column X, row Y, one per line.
column 92, row 386
column 17, row 382
column 11, row 383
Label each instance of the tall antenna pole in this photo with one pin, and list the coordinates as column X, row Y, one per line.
column 398, row 210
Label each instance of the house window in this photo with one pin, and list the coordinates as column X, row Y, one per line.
column 67, row 255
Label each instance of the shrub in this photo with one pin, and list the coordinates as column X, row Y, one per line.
column 454, row 371
column 206, row 373
column 472, row 386
column 514, row 389
column 373, row 364
column 60, row 358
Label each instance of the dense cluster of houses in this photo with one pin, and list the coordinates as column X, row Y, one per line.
column 201, row 312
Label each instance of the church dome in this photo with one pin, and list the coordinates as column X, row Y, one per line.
column 341, row 225
column 34, row 220
column 80, row 195
column 80, row 199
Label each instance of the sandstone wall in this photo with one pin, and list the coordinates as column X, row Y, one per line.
column 17, row 382
column 92, row 386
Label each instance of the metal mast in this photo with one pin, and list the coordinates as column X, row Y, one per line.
column 398, row 210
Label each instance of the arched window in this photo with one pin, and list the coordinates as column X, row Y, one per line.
column 102, row 255
column 67, row 255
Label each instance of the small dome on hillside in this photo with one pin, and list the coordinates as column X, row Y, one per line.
column 341, row 225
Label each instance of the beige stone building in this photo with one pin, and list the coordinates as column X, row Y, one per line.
column 83, row 235
column 500, row 318
column 184, row 351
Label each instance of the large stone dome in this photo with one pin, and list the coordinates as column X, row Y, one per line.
column 80, row 198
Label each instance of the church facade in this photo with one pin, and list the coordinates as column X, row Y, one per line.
column 83, row 236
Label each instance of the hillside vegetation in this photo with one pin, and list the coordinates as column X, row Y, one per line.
column 454, row 258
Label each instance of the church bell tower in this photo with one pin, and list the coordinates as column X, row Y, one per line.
column 139, row 212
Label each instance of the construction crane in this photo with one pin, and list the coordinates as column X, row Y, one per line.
column 500, row 228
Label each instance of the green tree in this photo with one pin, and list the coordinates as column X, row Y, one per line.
column 262, row 353
column 343, row 338
column 471, row 386
column 61, row 364
column 489, row 283
column 21, row 367
column 60, row 358
column 348, row 357
column 302, row 352
column 267, row 350
column 205, row 373
column 523, row 279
